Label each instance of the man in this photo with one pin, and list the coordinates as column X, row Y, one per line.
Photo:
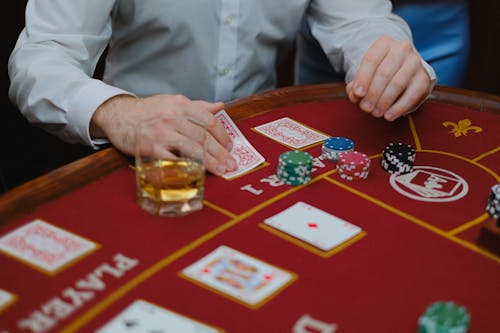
column 177, row 61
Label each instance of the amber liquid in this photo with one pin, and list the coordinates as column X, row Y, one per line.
column 170, row 187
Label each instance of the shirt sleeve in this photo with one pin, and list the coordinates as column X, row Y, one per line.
column 346, row 29
column 52, row 64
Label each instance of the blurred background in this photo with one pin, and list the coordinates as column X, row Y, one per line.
column 28, row 152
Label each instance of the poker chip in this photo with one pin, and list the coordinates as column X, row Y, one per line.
column 295, row 167
column 398, row 158
column 444, row 317
column 353, row 165
column 493, row 204
column 334, row 146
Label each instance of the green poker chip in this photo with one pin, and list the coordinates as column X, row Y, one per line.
column 295, row 167
column 295, row 157
column 444, row 317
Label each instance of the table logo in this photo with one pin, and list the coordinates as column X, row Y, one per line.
column 430, row 184
column 462, row 127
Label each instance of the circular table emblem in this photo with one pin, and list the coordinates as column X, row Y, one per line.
column 430, row 184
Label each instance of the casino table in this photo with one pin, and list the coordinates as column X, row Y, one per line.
column 414, row 249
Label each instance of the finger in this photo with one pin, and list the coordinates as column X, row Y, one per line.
column 200, row 113
column 208, row 120
column 390, row 65
column 413, row 96
column 191, row 130
column 219, row 132
column 162, row 147
column 398, row 84
column 350, row 93
column 218, row 159
column 369, row 64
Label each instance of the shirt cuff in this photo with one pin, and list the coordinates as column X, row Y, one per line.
column 432, row 74
column 83, row 105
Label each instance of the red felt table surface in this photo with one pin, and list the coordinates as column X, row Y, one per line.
column 412, row 252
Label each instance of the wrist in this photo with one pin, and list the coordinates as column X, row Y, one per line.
column 105, row 115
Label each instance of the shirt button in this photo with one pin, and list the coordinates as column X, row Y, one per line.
column 228, row 20
column 224, row 71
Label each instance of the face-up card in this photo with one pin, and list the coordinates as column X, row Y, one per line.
column 243, row 152
column 238, row 275
column 144, row 317
column 45, row 246
column 313, row 226
column 290, row 132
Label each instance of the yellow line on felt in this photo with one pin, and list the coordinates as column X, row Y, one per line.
column 387, row 207
column 417, row 221
column 488, row 170
column 475, row 248
column 488, row 153
column 219, row 209
column 413, row 129
column 468, row 225
column 144, row 275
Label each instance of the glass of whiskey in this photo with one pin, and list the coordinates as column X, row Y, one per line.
column 170, row 173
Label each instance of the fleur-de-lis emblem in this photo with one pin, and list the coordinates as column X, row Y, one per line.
column 462, row 127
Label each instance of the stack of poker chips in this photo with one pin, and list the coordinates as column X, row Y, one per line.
column 398, row 158
column 442, row 317
column 353, row 165
column 294, row 167
column 334, row 146
column 493, row 206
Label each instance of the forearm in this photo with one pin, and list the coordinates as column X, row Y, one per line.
column 346, row 29
column 52, row 64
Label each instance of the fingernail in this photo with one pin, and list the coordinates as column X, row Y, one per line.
column 360, row 91
column 231, row 165
column 221, row 169
column 389, row 116
column 376, row 112
column 365, row 105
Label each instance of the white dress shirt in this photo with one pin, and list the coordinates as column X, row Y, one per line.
column 214, row 50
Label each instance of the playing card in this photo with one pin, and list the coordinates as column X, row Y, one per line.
column 313, row 226
column 238, row 275
column 243, row 152
column 291, row 133
column 144, row 317
column 45, row 246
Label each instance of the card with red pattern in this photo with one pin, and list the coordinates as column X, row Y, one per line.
column 243, row 152
column 44, row 245
column 290, row 133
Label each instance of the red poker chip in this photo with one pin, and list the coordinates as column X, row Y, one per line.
column 353, row 165
column 354, row 158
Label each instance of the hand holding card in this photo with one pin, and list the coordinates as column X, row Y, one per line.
column 243, row 152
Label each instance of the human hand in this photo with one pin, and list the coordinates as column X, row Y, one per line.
column 391, row 80
column 168, row 116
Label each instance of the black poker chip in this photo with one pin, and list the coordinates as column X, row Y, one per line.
column 398, row 158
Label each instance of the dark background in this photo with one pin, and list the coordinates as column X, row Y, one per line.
column 27, row 151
